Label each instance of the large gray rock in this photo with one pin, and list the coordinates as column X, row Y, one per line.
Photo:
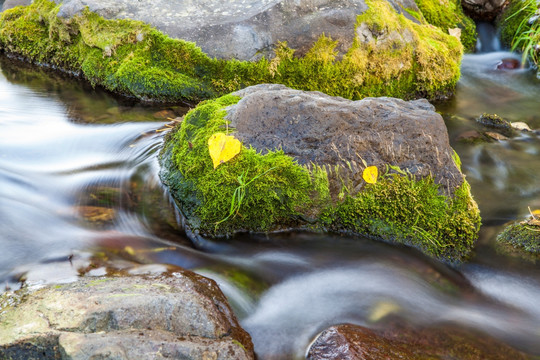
column 242, row 29
column 316, row 128
column 182, row 316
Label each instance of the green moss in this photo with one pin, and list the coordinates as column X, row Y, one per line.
column 400, row 59
column 522, row 237
column 205, row 193
column 448, row 14
column 404, row 59
column 397, row 208
column 403, row 210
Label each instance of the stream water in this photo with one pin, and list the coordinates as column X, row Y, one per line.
column 78, row 179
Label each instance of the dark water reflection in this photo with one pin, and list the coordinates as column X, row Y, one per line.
column 78, row 176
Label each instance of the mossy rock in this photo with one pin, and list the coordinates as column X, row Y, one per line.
column 389, row 55
column 301, row 167
column 521, row 239
column 448, row 14
column 494, row 121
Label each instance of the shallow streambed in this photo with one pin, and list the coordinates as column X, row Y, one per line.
column 78, row 178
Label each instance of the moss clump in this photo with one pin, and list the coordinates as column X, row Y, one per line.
column 404, row 210
column 522, row 238
column 392, row 56
column 448, row 14
column 494, row 121
column 205, row 194
column 287, row 195
column 402, row 59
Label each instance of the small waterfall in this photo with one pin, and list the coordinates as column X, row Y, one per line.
column 488, row 38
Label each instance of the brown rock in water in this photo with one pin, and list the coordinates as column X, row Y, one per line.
column 496, row 136
column 181, row 316
column 508, row 64
column 354, row 342
column 471, row 136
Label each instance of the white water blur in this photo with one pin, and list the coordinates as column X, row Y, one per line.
column 294, row 311
column 46, row 161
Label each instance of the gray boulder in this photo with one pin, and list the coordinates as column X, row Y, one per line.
column 315, row 128
column 183, row 315
column 242, row 29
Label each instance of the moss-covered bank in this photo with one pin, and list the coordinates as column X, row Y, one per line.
column 514, row 20
column 399, row 58
column 520, row 28
column 278, row 193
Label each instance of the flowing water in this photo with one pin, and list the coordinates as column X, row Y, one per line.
column 78, row 179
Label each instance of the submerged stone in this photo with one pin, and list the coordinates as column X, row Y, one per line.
column 348, row 342
column 183, row 315
column 302, row 163
column 521, row 239
column 494, row 121
column 351, row 49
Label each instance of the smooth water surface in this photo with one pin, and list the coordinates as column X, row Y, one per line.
column 79, row 179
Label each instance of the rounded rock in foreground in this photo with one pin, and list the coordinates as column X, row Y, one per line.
column 183, row 315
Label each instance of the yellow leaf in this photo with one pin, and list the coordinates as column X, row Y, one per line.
column 129, row 250
column 223, row 148
column 382, row 309
column 370, row 174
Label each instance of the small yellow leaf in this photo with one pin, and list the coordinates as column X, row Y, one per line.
column 382, row 309
column 370, row 174
column 223, row 148
column 129, row 250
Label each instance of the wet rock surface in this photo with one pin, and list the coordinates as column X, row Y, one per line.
column 348, row 342
column 241, row 29
column 485, row 10
column 315, row 128
column 183, row 315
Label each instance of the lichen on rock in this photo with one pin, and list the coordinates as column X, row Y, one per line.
column 306, row 152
